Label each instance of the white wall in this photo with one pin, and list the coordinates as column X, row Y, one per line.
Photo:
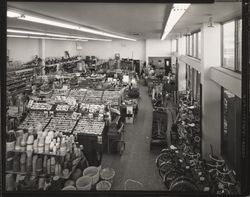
column 158, row 48
column 21, row 49
column 56, row 48
column 106, row 50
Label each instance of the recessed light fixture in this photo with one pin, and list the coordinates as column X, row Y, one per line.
column 53, row 35
column 36, row 19
column 176, row 13
column 46, row 38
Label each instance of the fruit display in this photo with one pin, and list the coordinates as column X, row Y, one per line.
column 62, row 107
column 84, row 126
column 33, row 119
column 92, row 108
column 39, row 106
column 111, row 97
column 59, row 92
column 94, row 93
column 62, row 122
column 78, row 94
column 96, row 100
column 99, row 109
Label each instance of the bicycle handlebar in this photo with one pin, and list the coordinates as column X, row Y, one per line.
column 219, row 172
column 215, row 166
column 225, row 182
column 216, row 160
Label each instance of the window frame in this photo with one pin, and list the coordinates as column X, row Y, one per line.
column 236, row 52
column 194, row 52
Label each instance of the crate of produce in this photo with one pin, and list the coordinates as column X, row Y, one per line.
column 62, row 122
column 33, row 118
column 89, row 127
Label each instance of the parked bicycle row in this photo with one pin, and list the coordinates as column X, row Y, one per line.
column 186, row 131
column 186, row 171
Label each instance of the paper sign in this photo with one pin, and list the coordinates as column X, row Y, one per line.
column 13, row 110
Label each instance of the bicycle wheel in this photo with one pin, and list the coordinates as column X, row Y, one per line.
column 164, row 168
column 163, row 157
column 171, row 176
column 183, row 184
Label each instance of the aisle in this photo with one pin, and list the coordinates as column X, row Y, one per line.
column 137, row 162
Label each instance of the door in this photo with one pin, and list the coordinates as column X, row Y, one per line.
column 167, row 62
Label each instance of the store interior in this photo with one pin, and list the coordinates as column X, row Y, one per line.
column 124, row 96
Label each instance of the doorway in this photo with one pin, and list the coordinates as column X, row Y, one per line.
column 167, row 63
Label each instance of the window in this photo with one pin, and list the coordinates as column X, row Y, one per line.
column 231, row 123
column 174, row 46
column 191, row 45
column 239, row 45
column 232, row 45
column 199, row 45
column 195, row 45
column 188, row 45
column 229, row 45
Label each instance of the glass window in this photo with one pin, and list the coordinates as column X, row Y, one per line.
column 239, row 45
column 176, row 49
column 195, row 45
column 174, row 45
column 188, row 45
column 191, row 45
column 199, row 45
column 229, row 45
column 231, row 123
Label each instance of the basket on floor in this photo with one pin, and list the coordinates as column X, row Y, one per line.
column 83, row 183
column 92, row 172
column 103, row 185
column 107, row 174
column 70, row 187
column 132, row 185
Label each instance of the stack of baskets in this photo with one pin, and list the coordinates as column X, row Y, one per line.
column 94, row 178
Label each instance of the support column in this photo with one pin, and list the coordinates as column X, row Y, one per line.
column 42, row 52
column 211, row 92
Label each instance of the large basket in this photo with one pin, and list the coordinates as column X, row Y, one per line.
column 92, row 172
column 103, row 185
column 107, row 174
column 83, row 183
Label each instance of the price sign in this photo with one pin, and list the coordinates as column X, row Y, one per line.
column 13, row 110
column 99, row 139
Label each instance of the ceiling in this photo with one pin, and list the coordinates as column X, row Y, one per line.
column 197, row 14
column 123, row 19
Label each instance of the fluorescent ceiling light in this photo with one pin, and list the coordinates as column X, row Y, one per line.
column 64, row 25
column 53, row 35
column 11, row 14
column 46, row 38
column 176, row 13
column 24, row 32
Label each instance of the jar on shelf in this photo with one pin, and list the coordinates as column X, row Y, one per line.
column 10, row 141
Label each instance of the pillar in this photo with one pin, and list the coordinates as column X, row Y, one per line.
column 211, row 92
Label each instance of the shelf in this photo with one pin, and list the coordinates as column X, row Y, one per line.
column 23, row 69
column 68, row 62
column 49, row 154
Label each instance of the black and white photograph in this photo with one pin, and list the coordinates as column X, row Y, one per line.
column 104, row 97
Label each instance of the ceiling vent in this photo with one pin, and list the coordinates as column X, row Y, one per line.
column 136, row 34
